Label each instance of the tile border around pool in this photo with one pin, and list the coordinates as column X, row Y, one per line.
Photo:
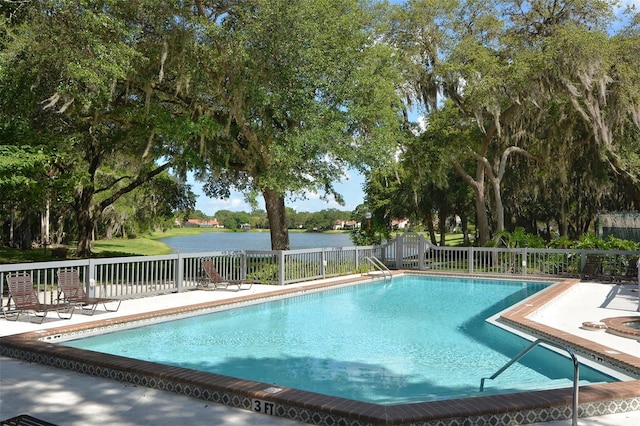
column 520, row 408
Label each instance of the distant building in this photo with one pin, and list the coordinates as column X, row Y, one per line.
column 400, row 223
column 204, row 223
column 345, row 224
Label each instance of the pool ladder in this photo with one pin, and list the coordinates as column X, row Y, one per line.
column 379, row 268
column 576, row 372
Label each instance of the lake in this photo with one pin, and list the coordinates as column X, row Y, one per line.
column 232, row 241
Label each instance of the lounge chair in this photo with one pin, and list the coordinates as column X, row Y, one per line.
column 593, row 269
column 26, row 301
column 213, row 278
column 71, row 289
column 630, row 271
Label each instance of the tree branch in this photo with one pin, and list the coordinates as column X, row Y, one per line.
column 133, row 185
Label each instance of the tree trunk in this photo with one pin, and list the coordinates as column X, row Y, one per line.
column 482, row 217
column 442, row 225
column 496, row 179
column 276, row 213
column 12, row 227
column 563, row 226
column 88, row 213
column 26, row 238
column 464, row 222
column 497, row 195
column 430, row 228
column 45, row 220
column 86, row 221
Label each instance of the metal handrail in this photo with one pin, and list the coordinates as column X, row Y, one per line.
column 576, row 372
column 379, row 266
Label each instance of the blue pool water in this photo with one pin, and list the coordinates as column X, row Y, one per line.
column 414, row 339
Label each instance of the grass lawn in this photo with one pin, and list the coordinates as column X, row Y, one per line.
column 451, row 240
column 146, row 245
column 129, row 247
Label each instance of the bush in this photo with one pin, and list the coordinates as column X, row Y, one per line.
column 519, row 238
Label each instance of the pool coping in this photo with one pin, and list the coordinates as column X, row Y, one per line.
column 617, row 325
column 516, row 408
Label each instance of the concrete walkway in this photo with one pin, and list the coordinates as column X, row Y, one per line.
column 590, row 301
column 67, row 398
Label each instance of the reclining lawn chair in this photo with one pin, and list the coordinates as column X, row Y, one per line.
column 594, row 269
column 214, row 279
column 630, row 271
column 71, row 288
column 26, row 301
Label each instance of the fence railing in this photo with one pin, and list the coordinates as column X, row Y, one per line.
column 138, row 276
column 413, row 251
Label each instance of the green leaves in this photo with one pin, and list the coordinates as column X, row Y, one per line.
column 23, row 172
column 303, row 93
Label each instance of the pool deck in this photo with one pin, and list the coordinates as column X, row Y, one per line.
column 66, row 397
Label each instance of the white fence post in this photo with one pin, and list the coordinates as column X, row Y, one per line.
column 323, row 262
column 399, row 251
column 243, row 266
column 179, row 278
column 422, row 253
column 281, row 267
column 91, row 282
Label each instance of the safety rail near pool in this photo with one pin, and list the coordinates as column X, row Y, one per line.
column 379, row 268
column 576, row 371
column 139, row 276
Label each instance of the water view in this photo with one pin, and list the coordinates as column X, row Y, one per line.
column 231, row 241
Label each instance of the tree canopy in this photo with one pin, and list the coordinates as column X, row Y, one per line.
column 539, row 101
column 531, row 110
column 300, row 94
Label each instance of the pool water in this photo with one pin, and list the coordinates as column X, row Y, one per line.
column 413, row 339
column 633, row 324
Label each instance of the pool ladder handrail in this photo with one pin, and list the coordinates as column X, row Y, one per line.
column 378, row 266
column 576, row 372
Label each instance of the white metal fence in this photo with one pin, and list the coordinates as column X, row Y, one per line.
column 413, row 251
column 138, row 276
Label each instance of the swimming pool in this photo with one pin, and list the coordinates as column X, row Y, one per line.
column 418, row 338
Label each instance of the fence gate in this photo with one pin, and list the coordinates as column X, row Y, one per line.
column 411, row 249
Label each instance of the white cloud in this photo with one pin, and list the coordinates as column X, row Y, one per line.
column 422, row 124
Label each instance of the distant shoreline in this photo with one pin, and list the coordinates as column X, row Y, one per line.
column 147, row 244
